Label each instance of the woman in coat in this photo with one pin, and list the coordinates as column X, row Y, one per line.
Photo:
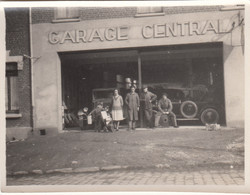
column 133, row 102
column 117, row 105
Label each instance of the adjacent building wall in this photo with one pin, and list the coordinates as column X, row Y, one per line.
column 18, row 42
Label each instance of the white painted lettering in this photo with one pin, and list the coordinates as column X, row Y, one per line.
column 122, row 33
column 194, row 27
column 67, row 36
column 147, row 31
column 182, row 28
column 81, row 35
column 209, row 26
column 95, row 34
column 53, row 37
column 171, row 29
column 159, row 30
column 110, row 34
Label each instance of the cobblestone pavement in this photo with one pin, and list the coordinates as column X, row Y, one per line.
column 135, row 177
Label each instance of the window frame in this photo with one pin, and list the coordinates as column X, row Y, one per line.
column 18, row 60
column 11, row 79
column 150, row 12
column 68, row 13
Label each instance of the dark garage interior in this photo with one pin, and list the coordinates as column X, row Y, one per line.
column 186, row 72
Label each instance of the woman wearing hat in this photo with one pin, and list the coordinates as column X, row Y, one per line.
column 117, row 105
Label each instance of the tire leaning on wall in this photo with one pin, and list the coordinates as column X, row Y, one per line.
column 209, row 116
column 188, row 109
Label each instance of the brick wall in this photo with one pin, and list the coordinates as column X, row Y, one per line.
column 190, row 9
column 46, row 15
column 17, row 41
column 42, row 15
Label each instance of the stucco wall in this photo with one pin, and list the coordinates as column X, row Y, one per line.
column 47, row 69
column 234, row 85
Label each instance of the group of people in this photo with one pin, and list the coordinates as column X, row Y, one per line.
column 134, row 103
column 144, row 102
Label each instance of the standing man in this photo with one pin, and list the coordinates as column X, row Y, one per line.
column 147, row 98
column 165, row 107
column 133, row 103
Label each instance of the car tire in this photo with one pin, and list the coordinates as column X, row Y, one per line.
column 209, row 116
column 164, row 120
column 188, row 109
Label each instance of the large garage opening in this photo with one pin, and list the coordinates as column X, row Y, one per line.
column 91, row 77
column 191, row 75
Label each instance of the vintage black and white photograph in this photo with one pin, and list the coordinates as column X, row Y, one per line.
column 125, row 96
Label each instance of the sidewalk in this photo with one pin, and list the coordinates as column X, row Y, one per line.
column 136, row 177
column 83, row 151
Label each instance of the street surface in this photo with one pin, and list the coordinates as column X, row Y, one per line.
column 136, row 177
column 142, row 148
column 184, row 156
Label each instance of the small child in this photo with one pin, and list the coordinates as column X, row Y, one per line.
column 107, row 119
column 97, row 117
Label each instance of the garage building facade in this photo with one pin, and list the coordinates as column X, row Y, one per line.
column 83, row 48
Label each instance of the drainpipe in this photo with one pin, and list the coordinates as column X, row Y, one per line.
column 31, row 71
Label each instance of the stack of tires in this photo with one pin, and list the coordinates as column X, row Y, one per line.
column 71, row 120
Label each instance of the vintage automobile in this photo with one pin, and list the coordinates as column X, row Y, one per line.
column 196, row 103
column 102, row 95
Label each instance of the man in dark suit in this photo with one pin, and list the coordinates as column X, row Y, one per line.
column 147, row 98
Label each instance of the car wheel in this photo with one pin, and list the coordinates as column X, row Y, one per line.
column 189, row 109
column 209, row 116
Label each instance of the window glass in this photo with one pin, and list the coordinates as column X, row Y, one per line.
column 66, row 13
column 147, row 10
column 11, row 88
column 13, row 93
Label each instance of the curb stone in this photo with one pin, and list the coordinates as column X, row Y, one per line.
column 109, row 168
column 20, row 173
column 40, row 172
column 63, row 170
column 159, row 166
column 86, row 170
column 96, row 169
column 78, row 170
